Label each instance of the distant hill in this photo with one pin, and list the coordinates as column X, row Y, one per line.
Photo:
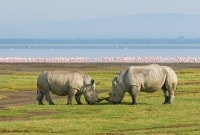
column 128, row 27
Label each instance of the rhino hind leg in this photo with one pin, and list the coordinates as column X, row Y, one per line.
column 169, row 96
column 167, row 100
column 166, row 95
column 48, row 98
column 40, row 97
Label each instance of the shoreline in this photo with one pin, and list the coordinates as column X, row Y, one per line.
column 99, row 59
column 38, row 67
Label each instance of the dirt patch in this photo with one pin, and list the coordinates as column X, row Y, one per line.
column 21, row 98
column 82, row 66
column 17, row 98
column 25, row 116
column 29, row 97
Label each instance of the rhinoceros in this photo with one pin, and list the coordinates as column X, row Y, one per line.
column 64, row 83
column 148, row 78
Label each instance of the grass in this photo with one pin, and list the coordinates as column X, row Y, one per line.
column 148, row 117
column 15, row 81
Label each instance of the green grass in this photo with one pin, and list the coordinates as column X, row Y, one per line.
column 148, row 117
column 15, row 81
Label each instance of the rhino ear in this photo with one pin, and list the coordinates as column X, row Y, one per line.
column 92, row 81
column 116, row 79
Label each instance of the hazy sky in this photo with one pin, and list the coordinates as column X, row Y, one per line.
column 73, row 10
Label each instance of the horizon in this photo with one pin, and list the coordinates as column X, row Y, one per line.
column 89, row 41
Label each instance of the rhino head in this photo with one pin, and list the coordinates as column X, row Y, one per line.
column 117, row 93
column 91, row 96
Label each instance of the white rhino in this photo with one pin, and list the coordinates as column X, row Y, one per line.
column 147, row 78
column 64, row 83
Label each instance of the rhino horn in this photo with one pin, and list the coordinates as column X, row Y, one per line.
column 101, row 99
column 107, row 99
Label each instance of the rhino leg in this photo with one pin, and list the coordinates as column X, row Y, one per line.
column 72, row 93
column 169, row 96
column 167, row 99
column 48, row 98
column 40, row 97
column 78, row 99
column 166, row 95
column 134, row 94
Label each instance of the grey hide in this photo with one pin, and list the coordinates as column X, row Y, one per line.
column 63, row 83
column 147, row 78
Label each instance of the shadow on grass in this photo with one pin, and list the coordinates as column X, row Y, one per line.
column 123, row 103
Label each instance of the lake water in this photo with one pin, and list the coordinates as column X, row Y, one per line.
column 99, row 50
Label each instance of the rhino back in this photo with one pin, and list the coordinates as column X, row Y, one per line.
column 61, row 81
column 150, row 78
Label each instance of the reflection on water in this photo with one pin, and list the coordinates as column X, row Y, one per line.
column 98, row 50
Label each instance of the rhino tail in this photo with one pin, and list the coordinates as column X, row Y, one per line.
column 37, row 88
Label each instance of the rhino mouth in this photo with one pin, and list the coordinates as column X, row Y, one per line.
column 116, row 102
column 90, row 102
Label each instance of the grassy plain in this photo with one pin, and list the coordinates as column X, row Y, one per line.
column 148, row 117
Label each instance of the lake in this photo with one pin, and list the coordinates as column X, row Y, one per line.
column 99, row 50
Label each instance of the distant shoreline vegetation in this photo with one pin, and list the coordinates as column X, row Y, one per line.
column 180, row 40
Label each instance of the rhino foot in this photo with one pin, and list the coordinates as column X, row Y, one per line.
column 51, row 103
column 134, row 103
column 79, row 103
column 167, row 100
column 166, row 103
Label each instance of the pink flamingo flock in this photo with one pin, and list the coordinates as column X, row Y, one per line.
column 100, row 60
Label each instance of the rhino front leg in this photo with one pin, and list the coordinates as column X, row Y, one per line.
column 134, row 94
column 48, row 98
column 78, row 99
column 72, row 93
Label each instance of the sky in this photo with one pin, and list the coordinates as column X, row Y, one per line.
column 77, row 10
column 99, row 18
